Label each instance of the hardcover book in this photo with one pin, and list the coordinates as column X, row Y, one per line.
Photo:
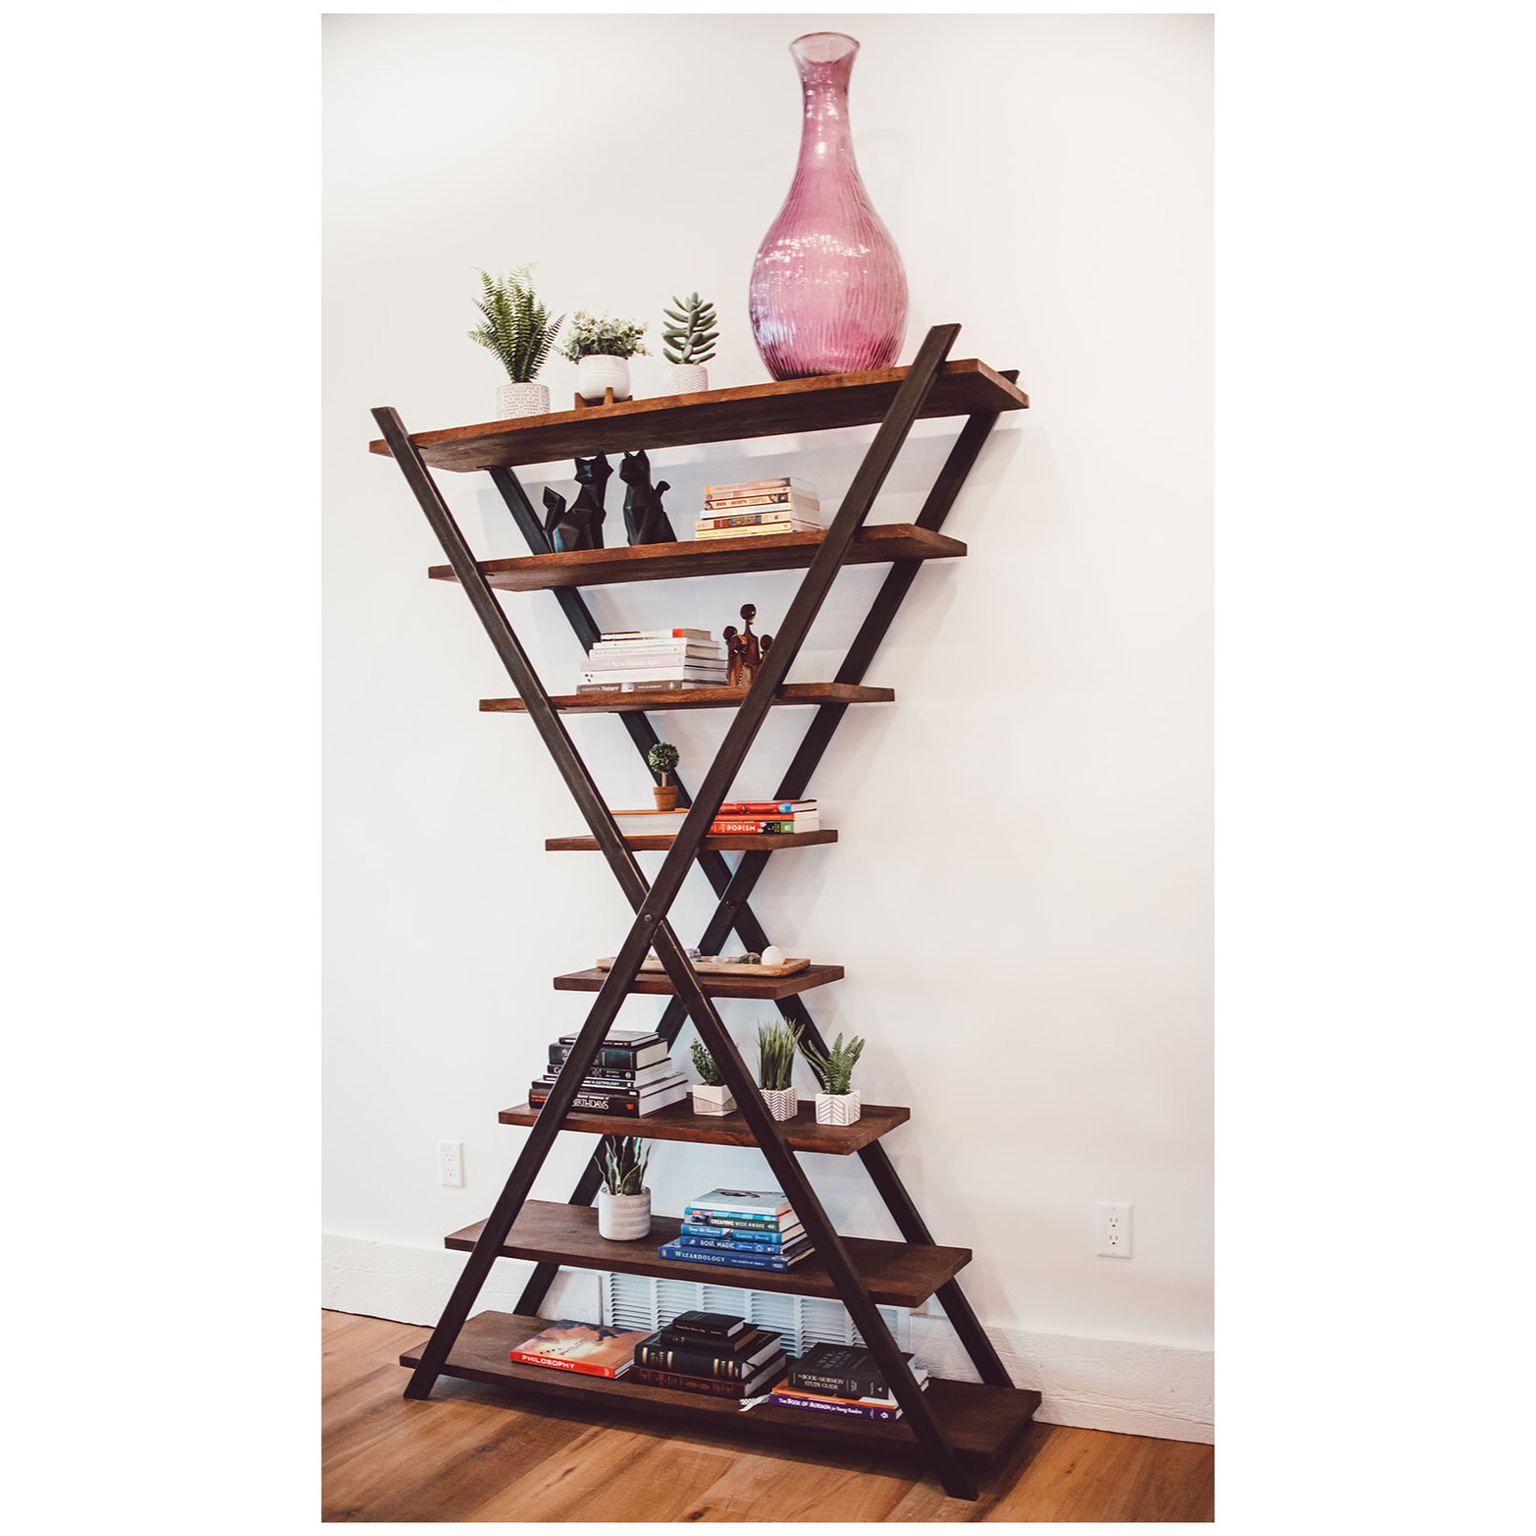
column 714, row 1325
column 772, row 1241
column 615, row 1055
column 790, row 1250
column 631, row 1039
column 626, row 1104
column 746, row 487
column 840, row 1371
column 588, row 1348
column 759, row 1204
column 881, row 1413
column 777, row 1225
column 710, row 1386
column 770, row 1262
column 741, row 1365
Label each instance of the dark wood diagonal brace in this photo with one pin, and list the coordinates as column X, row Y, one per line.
column 735, row 890
column 651, row 905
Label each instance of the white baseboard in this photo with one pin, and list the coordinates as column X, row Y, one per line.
column 1160, row 1390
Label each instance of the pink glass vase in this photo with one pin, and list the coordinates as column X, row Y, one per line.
column 828, row 291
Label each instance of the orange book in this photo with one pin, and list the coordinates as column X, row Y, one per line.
column 586, row 1347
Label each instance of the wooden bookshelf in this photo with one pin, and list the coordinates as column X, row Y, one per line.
column 677, row 1122
column 658, row 984
column 708, row 557
column 896, row 1274
column 699, row 698
column 717, row 415
column 985, row 1423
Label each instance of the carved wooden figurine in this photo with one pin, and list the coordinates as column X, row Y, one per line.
column 744, row 651
column 644, row 520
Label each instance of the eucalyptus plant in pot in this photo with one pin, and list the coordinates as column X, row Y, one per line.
column 776, row 1042
column 662, row 760
column 601, row 348
column 711, row 1096
column 623, row 1203
column 517, row 328
column 688, row 342
column 838, row 1103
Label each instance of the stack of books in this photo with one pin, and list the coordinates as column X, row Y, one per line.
column 741, row 1228
column 785, row 505
column 711, row 1353
column 588, row 1348
column 653, row 661
column 632, row 1075
column 841, row 1379
column 733, row 816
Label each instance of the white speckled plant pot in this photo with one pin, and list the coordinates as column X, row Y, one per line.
column 683, row 378
column 623, row 1218
column 783, row 1103
column 712, row 1101
column 602, row 371
column 838, row 1108
column 522, row 400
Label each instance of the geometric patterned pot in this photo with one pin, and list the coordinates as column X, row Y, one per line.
column 783, row 1103
column 838, row 1108
column 712, row 1101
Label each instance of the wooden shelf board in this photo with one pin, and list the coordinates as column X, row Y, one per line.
column 677, row 1122
column 897, row 1274
column 985, row 1423
column 875, row 543
column 699, row 698
column 717, row 415
column 659, row 984
column 737, row 842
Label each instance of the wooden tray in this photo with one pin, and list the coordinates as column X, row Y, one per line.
column 714, row 968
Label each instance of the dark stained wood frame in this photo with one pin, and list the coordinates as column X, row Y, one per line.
column 911, row 394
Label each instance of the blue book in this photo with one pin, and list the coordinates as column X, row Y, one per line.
column 745, row 1238
column 734, row 1260
column 774, row 1252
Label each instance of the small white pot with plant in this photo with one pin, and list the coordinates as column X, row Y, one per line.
column 601, row 348
column 517, row 329
column 623, row 1203
column 711, row 1096
column 776, row 1044
column 838, row 1103
column 687, row 344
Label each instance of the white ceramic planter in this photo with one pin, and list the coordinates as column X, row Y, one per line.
column 600, row 371
column 623, row 1218
column 683, row 378
column 838, row 1108
column 712, row 1101
column 783, row 1103
column 522, row 400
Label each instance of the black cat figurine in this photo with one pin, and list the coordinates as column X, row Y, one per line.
column 592, row 476
column 566, row 528
column 644, row 519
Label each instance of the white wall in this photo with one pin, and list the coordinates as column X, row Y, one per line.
column 1021, row 893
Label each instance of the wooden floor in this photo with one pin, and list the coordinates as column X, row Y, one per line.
column 469, row 1453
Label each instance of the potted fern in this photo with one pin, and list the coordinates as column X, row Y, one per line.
column 711, row 1096
column 623, row 1203
column 601, row 348
column 518, row 330
column 776, row 1044
column 838, row 1103
column 688, row 342
column 662, row 759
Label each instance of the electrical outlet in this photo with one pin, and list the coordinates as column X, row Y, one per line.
column 450, row 1163
column 1114, row 1230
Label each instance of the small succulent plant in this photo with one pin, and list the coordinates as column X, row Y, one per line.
column 602, row 335
column 662, row 759
column 689, row 339
column 776, row 1042
column 622, row 1161
column 517, row 326
column 708, row 1068
column 834, row 1068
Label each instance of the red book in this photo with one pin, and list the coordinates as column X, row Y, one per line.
column 586, row 1347
column 765, row 807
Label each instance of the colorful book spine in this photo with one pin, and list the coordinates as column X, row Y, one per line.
column 702, row 635
column 827, row 1405
column 731, row 1245
column 762, row 528
column 747, row 520
column 716, row 508
column 739, row 1220
column 733, row 1260
column 768, row 1242
column 557, row 1364
column 739, row 825
column 766, row 807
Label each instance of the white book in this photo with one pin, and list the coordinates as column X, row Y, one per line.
column 654, row 675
